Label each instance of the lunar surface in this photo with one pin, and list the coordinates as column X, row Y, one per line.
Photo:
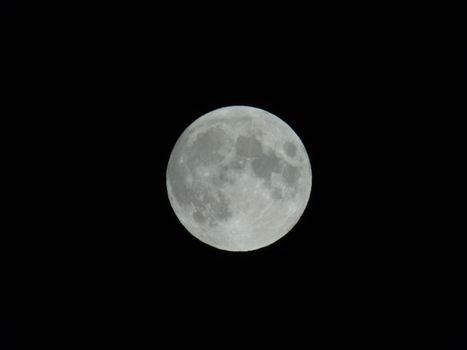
column 238, row 178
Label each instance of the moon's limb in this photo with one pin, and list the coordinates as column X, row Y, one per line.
column 239, row 178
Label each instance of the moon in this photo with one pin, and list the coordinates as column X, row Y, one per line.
column 238, row 178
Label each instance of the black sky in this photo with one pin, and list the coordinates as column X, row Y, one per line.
column 7, row 8
column 101, row 258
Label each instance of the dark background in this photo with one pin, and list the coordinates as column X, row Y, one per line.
column 98, row 256
column 7, row 8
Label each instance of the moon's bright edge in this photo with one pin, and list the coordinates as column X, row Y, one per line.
column 238, row 178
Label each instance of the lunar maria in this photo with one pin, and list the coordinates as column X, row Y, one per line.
column 238, row 178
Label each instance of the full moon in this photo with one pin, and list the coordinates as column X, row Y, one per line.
column 238, row 178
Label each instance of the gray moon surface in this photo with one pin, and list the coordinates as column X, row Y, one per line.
column 238, row 178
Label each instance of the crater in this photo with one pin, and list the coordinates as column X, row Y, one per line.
column 265, row 165
column 210, row 205
column 199, row 218
column 248, row 146
column 290, row 149
column 178, row 176
column 221, row 208
column 224, row 175
column 290, row 175
column 177, row 173
column 235, row 119
column 220, row 177
column 276, row 193
column 210, row 208
column 236, row 164
column 205, row 148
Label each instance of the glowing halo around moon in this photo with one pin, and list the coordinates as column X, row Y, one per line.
column 238, row 178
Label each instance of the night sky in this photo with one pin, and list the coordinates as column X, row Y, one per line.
column 8, row 8
column 97, row 255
